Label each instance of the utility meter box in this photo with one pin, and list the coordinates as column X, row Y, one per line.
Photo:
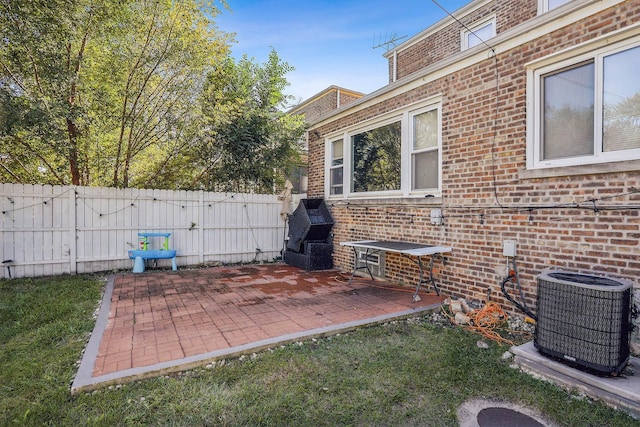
column 509, row 248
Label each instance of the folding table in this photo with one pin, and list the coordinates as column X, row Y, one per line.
column 406, row 249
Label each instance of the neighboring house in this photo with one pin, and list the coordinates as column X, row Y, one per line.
column 325, row 102
column 525, row 128
column 317, row 106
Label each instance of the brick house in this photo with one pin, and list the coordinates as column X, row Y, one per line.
column 325, row 102
column 510, row 120
column 312, row 108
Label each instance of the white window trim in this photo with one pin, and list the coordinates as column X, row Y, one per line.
column 534, row 108
column 465, row 33
column 411, row 151
column 543, row 6
column 348, row 157
column 331, row 168
column 404, row 116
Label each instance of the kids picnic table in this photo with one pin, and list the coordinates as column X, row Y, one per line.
column 144, row 253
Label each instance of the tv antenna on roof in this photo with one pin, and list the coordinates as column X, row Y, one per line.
column 388, row 42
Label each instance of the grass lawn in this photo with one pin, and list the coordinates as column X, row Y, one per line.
column 403, row 373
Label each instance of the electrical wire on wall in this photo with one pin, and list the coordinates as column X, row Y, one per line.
column 497, row 99
column 594, row 205
column 513, row 277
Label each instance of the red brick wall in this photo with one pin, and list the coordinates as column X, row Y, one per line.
column 346, row 98
column 319, row 107
column 328, row 102
column 514, row 12
column 447, row 42
column 479, row 216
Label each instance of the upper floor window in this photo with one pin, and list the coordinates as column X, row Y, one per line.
column 547, row 5
column 587, row 109
column 478, row 33
column 397, row 156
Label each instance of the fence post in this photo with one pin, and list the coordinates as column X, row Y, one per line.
column 73, row 232
column 201, row 214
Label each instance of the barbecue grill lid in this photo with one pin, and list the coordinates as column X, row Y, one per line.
column 311, row 221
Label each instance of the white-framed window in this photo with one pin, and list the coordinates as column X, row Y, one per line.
column 396, row 155
column 586, row 109
column 478, row 33
column 376, row 156
column 547, row 5
column 336, row 167
column 425, row 148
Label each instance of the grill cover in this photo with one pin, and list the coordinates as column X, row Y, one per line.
column 310, row 222
column 584, row 320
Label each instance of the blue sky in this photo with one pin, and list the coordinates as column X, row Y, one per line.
column 328, row 42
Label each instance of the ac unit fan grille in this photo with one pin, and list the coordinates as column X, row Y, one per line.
column 585, row 323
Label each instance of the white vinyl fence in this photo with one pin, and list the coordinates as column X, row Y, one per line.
column 51, row 230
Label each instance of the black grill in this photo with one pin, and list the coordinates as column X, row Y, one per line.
column 309, row 245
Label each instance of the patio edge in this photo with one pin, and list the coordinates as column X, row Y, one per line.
column 84, row 381
column 90, row 352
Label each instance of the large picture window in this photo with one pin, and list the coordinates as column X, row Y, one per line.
column 397, row 155
column 376, row 159
column 587, row 110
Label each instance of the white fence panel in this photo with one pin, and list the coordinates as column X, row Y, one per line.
column 35, row 230
column 52, row 230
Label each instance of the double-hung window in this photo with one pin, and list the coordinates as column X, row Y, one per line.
column 398, row 155
column 425, row 149
column 336, row 168
column 587, row 109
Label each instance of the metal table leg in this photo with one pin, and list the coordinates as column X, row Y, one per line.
column 422, row 280
column 355, row 264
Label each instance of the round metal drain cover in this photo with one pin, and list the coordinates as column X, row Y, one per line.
column 505, row 417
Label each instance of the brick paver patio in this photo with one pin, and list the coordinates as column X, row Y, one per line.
column 162, row 321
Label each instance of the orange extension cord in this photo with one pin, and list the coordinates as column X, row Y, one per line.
column 487, row 321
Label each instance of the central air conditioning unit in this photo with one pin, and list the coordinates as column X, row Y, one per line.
column 375, row 261
column 584, row 320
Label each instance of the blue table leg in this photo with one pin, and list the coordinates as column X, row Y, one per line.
column 138, row 265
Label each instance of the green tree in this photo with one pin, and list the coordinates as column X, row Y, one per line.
column 249, row 142
column 42, row 66
column 159, row 76
column 99, row 91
